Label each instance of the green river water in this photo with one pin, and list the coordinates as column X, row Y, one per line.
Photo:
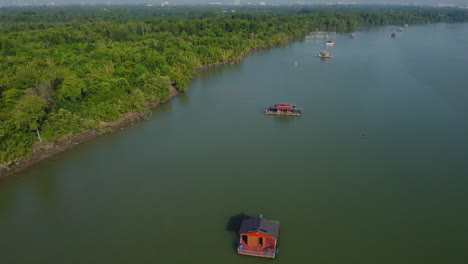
column 165, row 189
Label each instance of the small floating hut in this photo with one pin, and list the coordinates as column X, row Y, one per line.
column 324, row 54
column 258, row 237
column 283, row 109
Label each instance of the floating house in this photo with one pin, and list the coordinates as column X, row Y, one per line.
column 283, row 109
column 258, row 237
column 324, row 54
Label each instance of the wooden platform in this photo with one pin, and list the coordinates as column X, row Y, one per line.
column 270, row 111
column 264, row 253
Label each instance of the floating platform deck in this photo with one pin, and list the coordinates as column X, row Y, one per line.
column 275, row 111
column 257, row 252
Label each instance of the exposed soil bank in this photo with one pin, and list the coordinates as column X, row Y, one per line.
column 44, row 150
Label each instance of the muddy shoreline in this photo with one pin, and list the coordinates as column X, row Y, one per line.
column 45, row 150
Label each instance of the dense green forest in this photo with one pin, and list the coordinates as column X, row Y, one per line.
column 68, row 69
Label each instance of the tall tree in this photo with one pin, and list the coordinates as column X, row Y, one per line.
column 29, row 113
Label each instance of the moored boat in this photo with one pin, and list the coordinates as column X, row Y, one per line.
column 352, row 35
column 258, row 237
column 283, row 109
column 324, row 54
column 393, row 35
column 330, row 42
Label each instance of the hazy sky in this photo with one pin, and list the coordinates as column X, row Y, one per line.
column 415, row 2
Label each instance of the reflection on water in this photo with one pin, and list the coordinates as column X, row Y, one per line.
column 47, row 189
column 183, row 98
column 233, row 226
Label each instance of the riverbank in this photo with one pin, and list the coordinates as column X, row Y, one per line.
column 45, row 150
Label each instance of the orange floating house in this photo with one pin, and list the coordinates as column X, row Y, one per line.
column 258, row 237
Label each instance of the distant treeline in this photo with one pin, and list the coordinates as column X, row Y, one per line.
column 375, row 15
column 67, row 69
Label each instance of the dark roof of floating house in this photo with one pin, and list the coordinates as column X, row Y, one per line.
column 260, row 225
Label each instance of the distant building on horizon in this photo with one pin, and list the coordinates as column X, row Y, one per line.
column 445, row 5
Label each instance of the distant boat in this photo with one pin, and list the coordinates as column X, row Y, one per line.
column 283, row 109
column 352, row 35
column 324, row 54
column 400, row 29
column 393, row 35
column 330, row 42
column 406, row 25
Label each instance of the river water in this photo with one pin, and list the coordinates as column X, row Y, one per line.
column 166, row 189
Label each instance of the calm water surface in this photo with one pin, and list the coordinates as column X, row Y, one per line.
column 163, row 190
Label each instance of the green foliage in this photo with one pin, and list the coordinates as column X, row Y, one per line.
column 24, row 77
column 10, row 97
column 135, row 101
column 61, row 123
column 158, row 87
column 139, row 70
column 71, row 88
column 29, row 112
column 65, row 70
column 106, row 111
column 15, row 146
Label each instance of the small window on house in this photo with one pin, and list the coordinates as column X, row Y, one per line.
column 260, row 241
column 244, row 238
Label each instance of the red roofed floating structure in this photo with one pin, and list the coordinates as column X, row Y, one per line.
column 284, row 106
column 258, row 237
column 283, row 109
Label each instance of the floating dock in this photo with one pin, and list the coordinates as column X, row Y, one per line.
column 283, row 109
